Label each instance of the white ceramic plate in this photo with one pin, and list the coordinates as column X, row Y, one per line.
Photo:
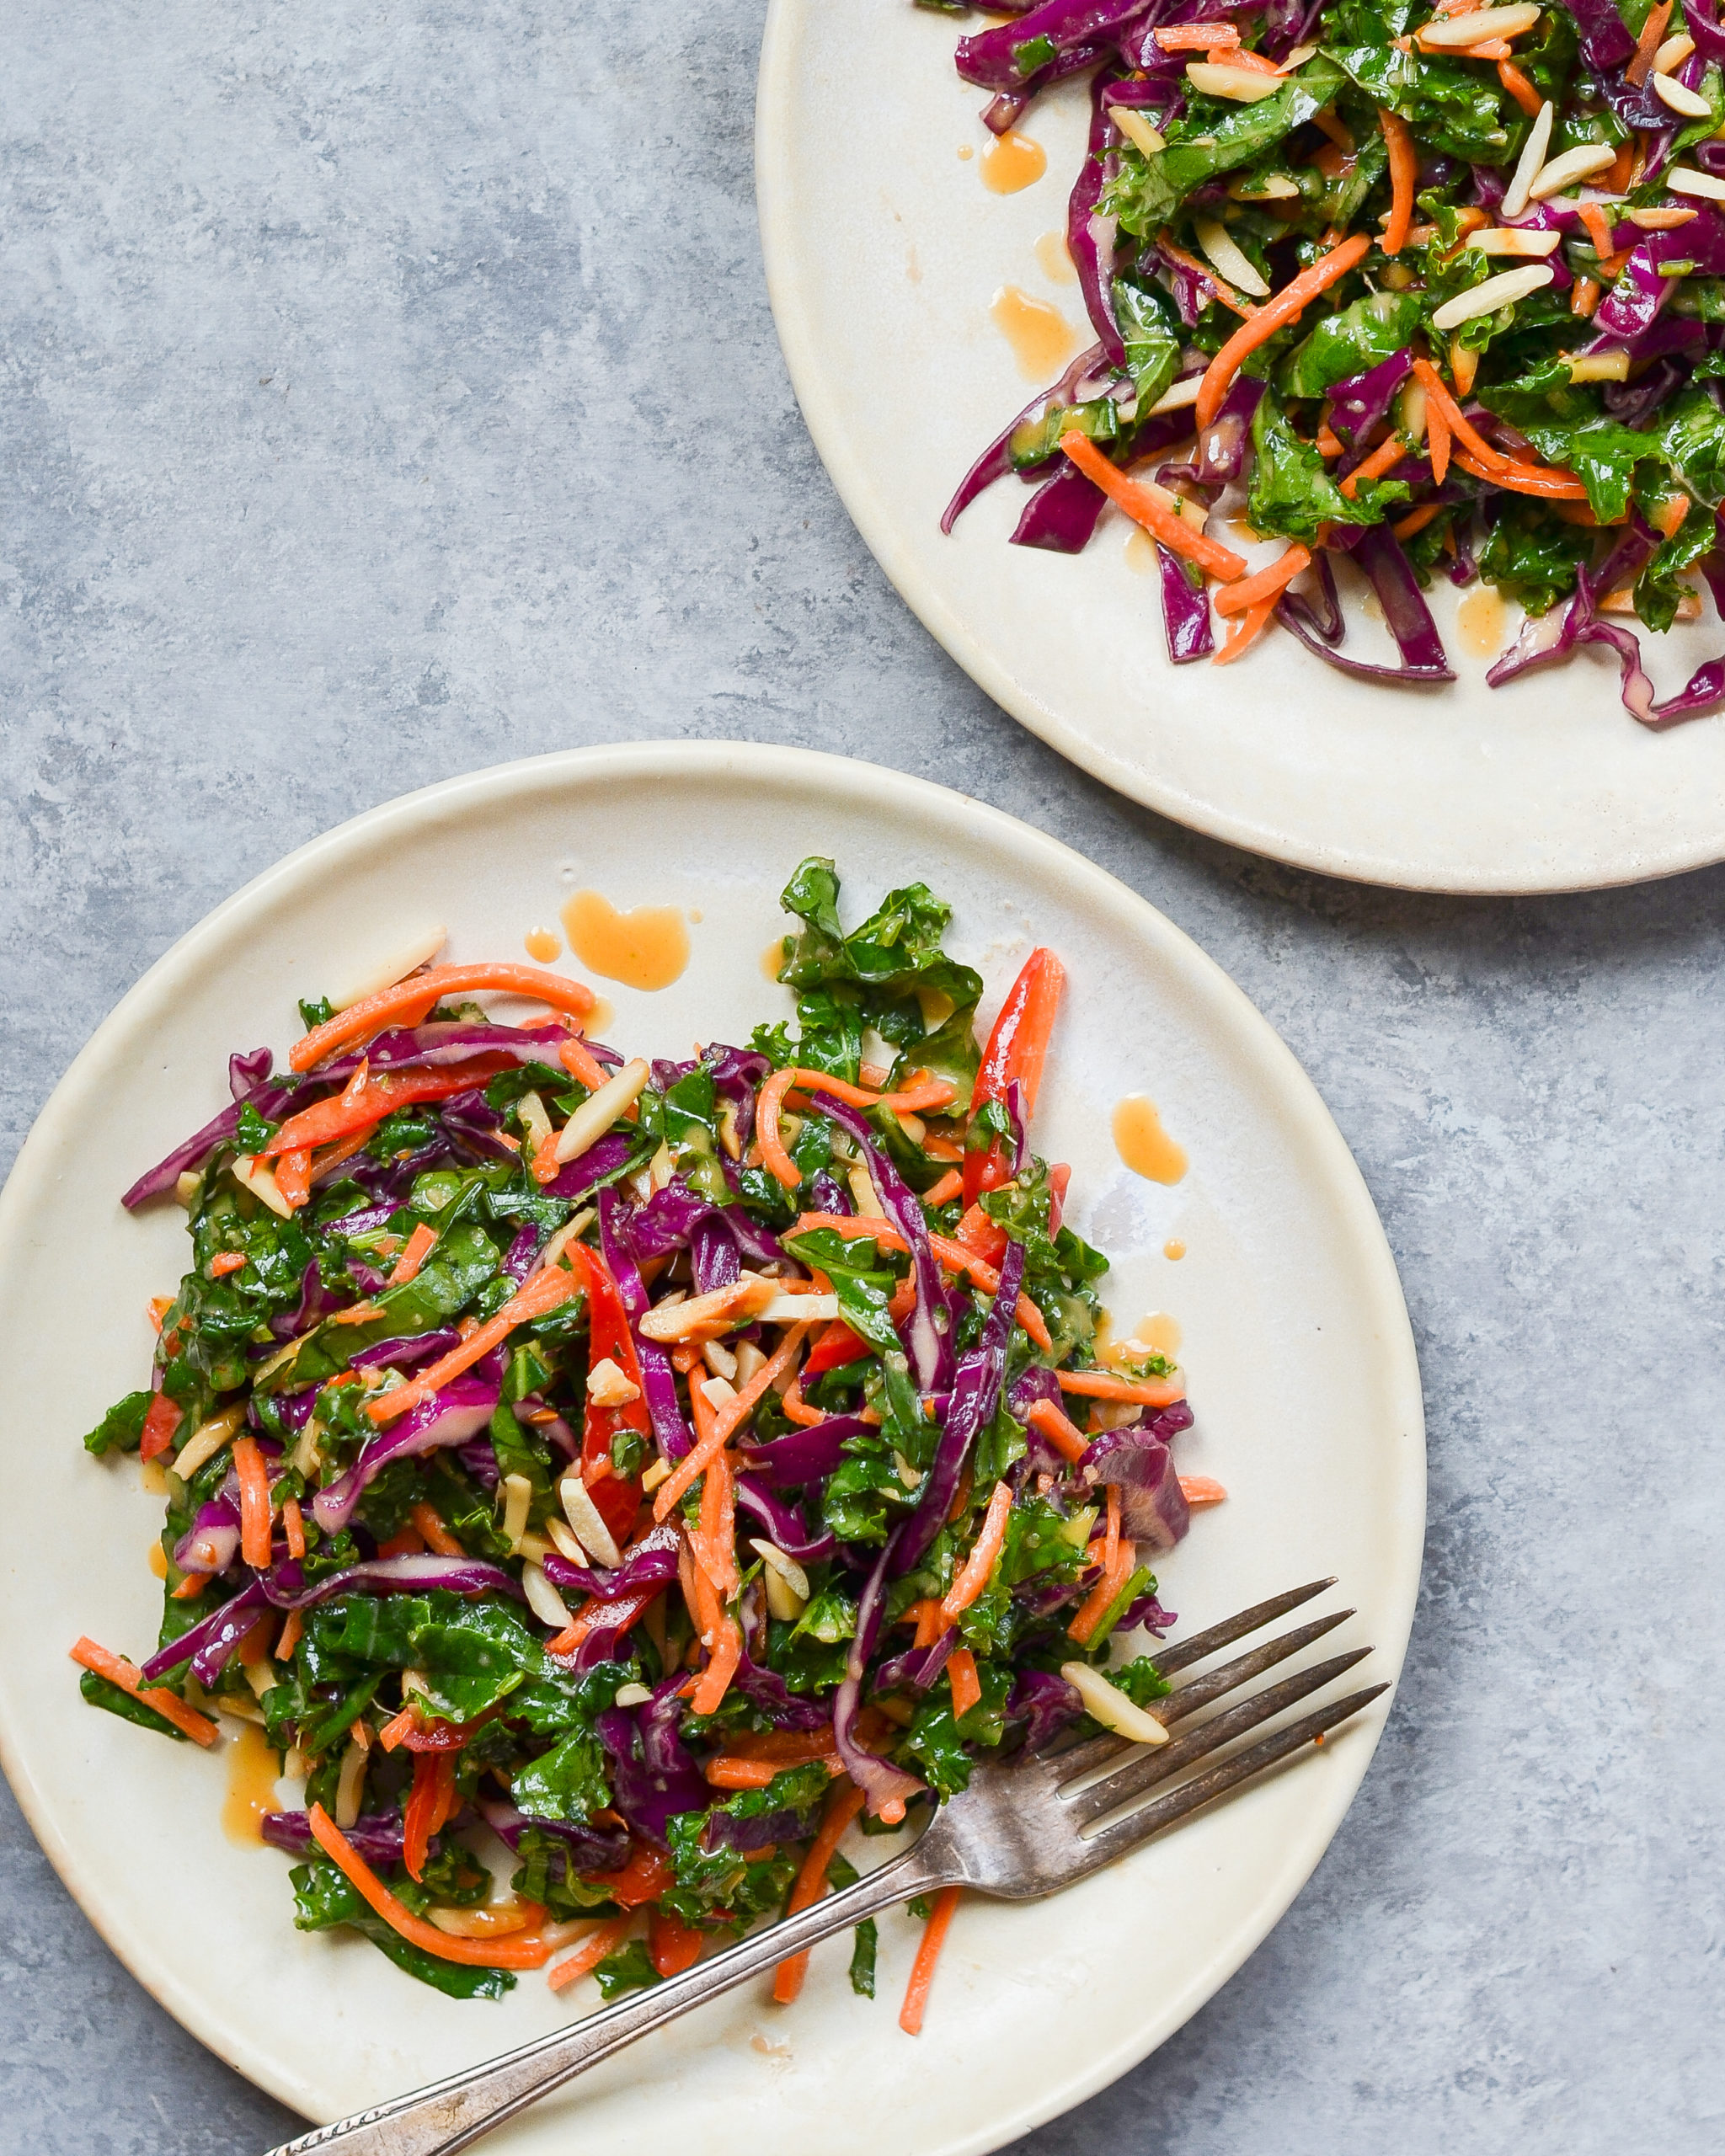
column 884, row 255
column 1301, row 1368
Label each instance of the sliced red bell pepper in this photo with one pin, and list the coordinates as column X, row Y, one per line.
column 672, row 1945
column 643, row 1879
column 1017, row 1049
column 162, row 1420
column 837, row 1345
column 978, row 1233
column 616, row 1497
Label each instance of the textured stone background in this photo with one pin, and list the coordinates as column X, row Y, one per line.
column 391, row 390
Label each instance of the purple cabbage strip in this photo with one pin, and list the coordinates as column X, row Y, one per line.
column 987, row 58
column 1003, row 114
column 930, row 1348
column 1222, row 449
column 450, row 1041
column 917, row 1667
column 1605, row 43
column 268, row 1101
column 1406, row 614
column 652, row 1562
column 1635, row 303
column 765, row 1689
column 211, row 1543
column 585, row 1848
column 1709, row 36
column 286, row 1589
column 1061, row 515
column 316, row 1303
column 809, row 1454
column 653, row 1773
column 659, row 1383
column 459, row 1412
column 207, row 1646
column 783, row 1522
column 1045, row 1703
column 1148, row 1612
column 248, row 1072
column 712, row 1258
column 599, row 1164
column 995, row 462
column 1137, row 1461
column 1357, row 404
column 976, row 1392
column 881, row 1782
column 1091, row 237
column 1186, row 617
column 379, row 1837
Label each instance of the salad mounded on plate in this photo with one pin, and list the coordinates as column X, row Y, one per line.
column 1439, row 289
column 652, row 1468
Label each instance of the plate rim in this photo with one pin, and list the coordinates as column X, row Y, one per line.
column 774, row 195
column 1310, row 1124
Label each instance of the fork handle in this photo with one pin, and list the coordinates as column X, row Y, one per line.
column 451, row 2113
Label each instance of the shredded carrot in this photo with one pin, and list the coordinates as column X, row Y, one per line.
column 1417, row 521
column 1060, row 1431
column 729, row 1773
column 1538, row 480
column 1617, row 175
column 416, row 1819
column 1286, row 306
column 1672, row 512
column 291, row 1626
column 190, row 1586
column 1328, row 443
column 797, row 1410
column 402, row 1725
column 1404, row 175
column 989, row 1538
column 1440, row 404
column 967, row 1685
column 716, row 1548
column 580, row 1062
column 694, row 1463
column 842, row 1807
column 1519, row 87
column 1328, row 122
column 715, row 1679
column 1437, row 441
column 768, row 1102
column 1652, row 36
column 168, row 1704
column 226, row 1262
column 1267, row 584
column 253, row 1503
column 934, row 1937
column 1175, row 533
column 954, row 1255
column 1387, row 454
column 1598, row 228
column 421, row 1245
column 592, row 1951
column 512, row 1951
column 1111, row 1531
column 1097, row 1603
column 1199, row 1490
column 1148, row 1392
column 1197, row 37
column 432, row 1531
column 372, row 1013
column 1246, row 631
column 545, row 1292
column 1227, row 56
column 736, row 1411
column 294, row 1526
column 942, row 1193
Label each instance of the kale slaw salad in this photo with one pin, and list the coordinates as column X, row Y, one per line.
column 1438, row 290
column 646, row 1469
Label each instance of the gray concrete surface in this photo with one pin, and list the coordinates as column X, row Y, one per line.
column 391, row 390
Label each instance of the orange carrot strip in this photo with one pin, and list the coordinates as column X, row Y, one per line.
column 768, row 1102
column 1438, row 399
column 842, row 1807
column 954, row 1255
column 610, row 1935
column 372, row 1013
column 580, row 1062
column 940, row 1193
column 1199, row 1490
column 1417, row 519
column 1111, row 1533
column 226, row 1262
column 694, row 1463
column 403, row 1725
column 737, row 1411
column 1672, row 512
column 1538, row 480
column 253, row 1503
column 1197, row 37
column 1175, row 533
column 727, row 1772
column 417, row 1829
column 1622, row 165
column 171, row 1708
column 1327, row 123
column 967, row 1685
column 1404, row 173
column 1519, row 87
column 1652, row 36
column 934, row 1937
column 1598, row 228
column 1437, row 440
column 793, row 1403
column 1061, row 1432
column 1148, row 1392
column 1387, row 453
column 715, row 1679
column 432, row 1531
column 1267, row 584
column 1287, row 306
column 293, row 1523
column 1328, row 444
column 510, row 1952
column 421, row 1245
column 1253, row 63
column 990, row 1536
column 545, row 1292
column 1096, row 1605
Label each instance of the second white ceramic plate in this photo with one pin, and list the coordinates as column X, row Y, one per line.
column 1297, row 1346
column 884, row 255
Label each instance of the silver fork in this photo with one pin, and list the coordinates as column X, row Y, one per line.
column 1022, row 1829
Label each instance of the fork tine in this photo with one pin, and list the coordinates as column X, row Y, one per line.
column 1203, row 1789
column 1236, row 1628
column 1096, row 1751
column 1145, row 1768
